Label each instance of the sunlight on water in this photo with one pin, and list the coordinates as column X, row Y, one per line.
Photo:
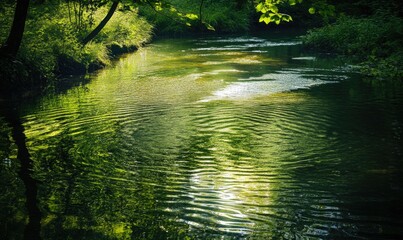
column 234, row 138
column 282, row 81
column 304, row 58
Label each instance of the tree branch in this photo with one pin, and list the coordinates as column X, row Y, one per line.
column 102, row 24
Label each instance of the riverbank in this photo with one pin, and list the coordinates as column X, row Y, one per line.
column 53, row 46
column 52, row 49
column 374, row 43
column 19, row 76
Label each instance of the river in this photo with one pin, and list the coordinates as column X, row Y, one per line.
column 235, row 137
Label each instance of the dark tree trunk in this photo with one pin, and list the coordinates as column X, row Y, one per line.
column 33, row 228
column 201, row 11
column 14, row 39
column 102, row 24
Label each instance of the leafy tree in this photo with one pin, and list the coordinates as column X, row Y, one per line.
column 270, row 9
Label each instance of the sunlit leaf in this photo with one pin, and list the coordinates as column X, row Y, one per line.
column 274, row 8
column 158, row 6
column 209, row 27
column 192, row 16
column 259, row 7
column 286, row 18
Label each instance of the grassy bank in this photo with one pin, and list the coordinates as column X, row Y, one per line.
column 52, row 44
column 375, row 43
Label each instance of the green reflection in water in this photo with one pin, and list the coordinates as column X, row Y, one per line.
column 13, row 214
column 235, row 137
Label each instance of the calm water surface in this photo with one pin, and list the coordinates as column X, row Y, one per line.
column 211, row 138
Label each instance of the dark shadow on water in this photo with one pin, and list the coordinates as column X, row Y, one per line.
column 33, row 228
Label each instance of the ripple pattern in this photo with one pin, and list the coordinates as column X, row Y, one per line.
column 168, row 143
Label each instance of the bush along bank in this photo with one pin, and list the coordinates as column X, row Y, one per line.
column 375, row 43
column 52, row 45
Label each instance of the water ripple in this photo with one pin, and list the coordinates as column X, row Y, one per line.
column 220, row 144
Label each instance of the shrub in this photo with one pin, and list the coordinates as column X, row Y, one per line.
column 375, row 42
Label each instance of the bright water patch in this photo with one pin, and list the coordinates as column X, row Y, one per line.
column 281, row 81
column 241, row 44
column 304, row 58
column 247, row 46
column 232, row 40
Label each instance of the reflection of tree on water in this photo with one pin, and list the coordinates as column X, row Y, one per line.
column 71, row 200
column 33, row 228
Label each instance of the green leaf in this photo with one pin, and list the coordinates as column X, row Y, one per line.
column 209, row 27
column 262, row 17
column 273, row 8
column 286, row 18
column 312, row 10
column 259, row 7
column 158, row 6
column 265, row 18
column 192, row 16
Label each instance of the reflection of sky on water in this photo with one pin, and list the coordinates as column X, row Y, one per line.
column 281, row 81
column 246, row 46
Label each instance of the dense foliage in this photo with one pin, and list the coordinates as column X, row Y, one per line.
column 52, row 41
column 371, row 36
column 218, row 16
column 223, row 16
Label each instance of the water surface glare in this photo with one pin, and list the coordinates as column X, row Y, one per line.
column 212, row 138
